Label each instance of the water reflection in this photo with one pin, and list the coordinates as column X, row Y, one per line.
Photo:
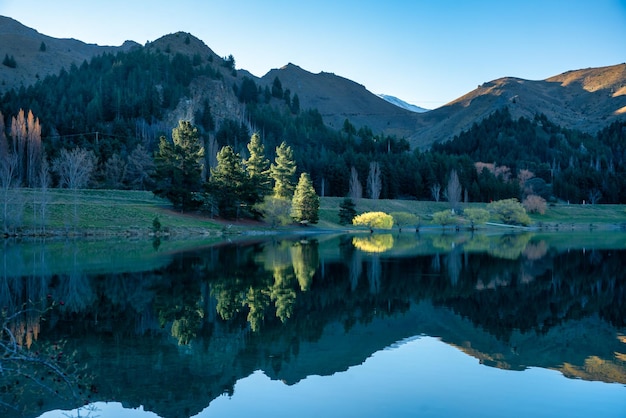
column 300, row 307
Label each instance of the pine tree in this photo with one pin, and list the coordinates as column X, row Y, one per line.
column 283, row 172
column 305, row 203
column 257, row 167
column 229, row 183
column 179, row 166
column 347, row 211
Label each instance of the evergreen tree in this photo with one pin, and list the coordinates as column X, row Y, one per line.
column 283, row 172
column 305, row 203
column 347, row 211
column 229, row 183
column 258, row 167
column 277, row 88
column 179, row 165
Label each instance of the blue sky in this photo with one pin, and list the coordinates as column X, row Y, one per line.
column 426, row 52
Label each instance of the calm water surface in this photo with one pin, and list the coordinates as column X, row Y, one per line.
column 366, row 326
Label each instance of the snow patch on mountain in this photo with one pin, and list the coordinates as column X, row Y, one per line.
column 401, row 103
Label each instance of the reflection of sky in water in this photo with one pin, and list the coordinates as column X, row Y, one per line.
column 421, row 378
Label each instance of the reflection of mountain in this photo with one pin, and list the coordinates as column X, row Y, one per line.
column 299, row 308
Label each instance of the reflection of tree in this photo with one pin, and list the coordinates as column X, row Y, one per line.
column 27, row 365
column 536, row 250
column 258, row 300
column 305, row 259
column 453, row 263
column 229, row 296
column 378, row 243
column 75, row 289
column 356, row 269
column 283, row 294
column 374, row 273
column 510, row 246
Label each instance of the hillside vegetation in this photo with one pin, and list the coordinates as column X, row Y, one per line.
column 118, row 109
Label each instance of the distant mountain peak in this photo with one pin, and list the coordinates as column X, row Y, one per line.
column 401, row 103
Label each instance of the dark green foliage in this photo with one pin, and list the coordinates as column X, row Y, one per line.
column 277, row 88
column 204, row 118
column 232, row 133
column 229, row 62
column 295, row 104
column 42, row 47
column 112, row 95
column 305, row 203
column 576, row 164
column 9, row 61
column 347, row 211
column 229, row 184
column 248, row 92
column 179, row 167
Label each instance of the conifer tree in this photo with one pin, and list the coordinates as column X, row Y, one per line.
column 283, row 172
column 305, row 203
column 228, row 183
column 258, row 167
column 347, row 211
column 179, row 166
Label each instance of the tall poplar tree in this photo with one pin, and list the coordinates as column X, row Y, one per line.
column 283, row 172
column 305, row 203
column 179, row 166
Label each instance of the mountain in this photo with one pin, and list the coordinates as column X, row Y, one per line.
column 585, row 100
column 401, row 103
column 37, row 55
column 338, row 99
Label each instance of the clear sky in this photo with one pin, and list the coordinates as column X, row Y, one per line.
column 426, row 52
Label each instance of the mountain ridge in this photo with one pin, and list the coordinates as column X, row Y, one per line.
column 586, row 99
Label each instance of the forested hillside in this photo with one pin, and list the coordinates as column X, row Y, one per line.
column 111, row 115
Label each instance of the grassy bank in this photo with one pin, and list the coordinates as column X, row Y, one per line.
column 117, row 212
column 101, row 212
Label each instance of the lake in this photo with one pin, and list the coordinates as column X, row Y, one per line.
column 403, row 325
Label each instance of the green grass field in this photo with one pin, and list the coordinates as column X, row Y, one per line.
column 128, row 212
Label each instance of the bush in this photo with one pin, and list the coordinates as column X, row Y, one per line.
column 401, row 219
column 373, row 220
column 444, row 218
column 535, row 204
column 510, row 211
column 476, row 216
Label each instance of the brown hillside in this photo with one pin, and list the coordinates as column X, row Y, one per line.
column 338, row 99
column 24, row 44
column 586, row 100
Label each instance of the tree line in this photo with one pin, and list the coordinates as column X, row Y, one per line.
column 113, row 108
column 236, row 187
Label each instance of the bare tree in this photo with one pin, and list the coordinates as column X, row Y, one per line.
column 594, row 196
column 74, row 168
column 374, row 182
column 453, row 191
column 356, row 189
column 19, row 137
column 33, row 149
column 140, row 168
column 115, row 172
column 435, row 191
